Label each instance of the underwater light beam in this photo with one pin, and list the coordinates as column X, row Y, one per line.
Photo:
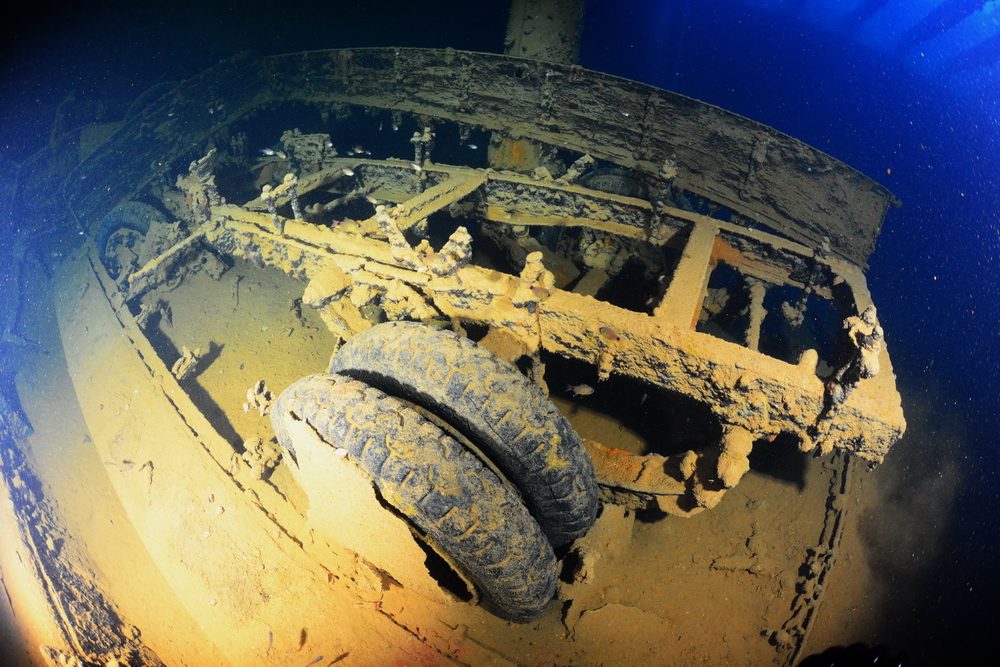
column 984, row 54
column 944, row 17
column 861, row 14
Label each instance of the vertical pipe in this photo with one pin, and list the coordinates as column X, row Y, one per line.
column 757, row 313
column 545, row 30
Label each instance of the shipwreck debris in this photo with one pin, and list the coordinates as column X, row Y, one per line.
column 308, row 153
column 261, row 457
column 187, row 364
column 200, row 188
column 259, row 398
column 148, row 311
column 862, row 344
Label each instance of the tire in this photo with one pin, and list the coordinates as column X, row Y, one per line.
column 132, row 215
column 462, row 507
column 492, row 404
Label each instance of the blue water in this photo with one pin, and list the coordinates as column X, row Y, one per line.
column 906, row 91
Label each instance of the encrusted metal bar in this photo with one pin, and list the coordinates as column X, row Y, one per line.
column 681, row 304
column 437, row 198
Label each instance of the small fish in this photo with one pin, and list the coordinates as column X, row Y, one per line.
column 314, row 661
column 371, row 200
column 434, row 258
column 609, row 333
column 358, row 150
column 626, row 114
column 540, row 292
column 348, row 225
column 347, row 172
column 580, row 389
column 380, row 127
column 267, row 151
column 280, row 155
column 395, row 127
column 472, row 146
column 329, row 144
column 416, row 167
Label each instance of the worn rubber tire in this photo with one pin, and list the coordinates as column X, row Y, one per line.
column 462, row 507
column 496, row 407
column 131, row 215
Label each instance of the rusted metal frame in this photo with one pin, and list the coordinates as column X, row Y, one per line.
column 155, row 272
column 393, row 180
column 515, row 199
column 542, row 204
column 752, row 169
column 759, row 254
column 96, row 185
column 436, row 198
column 878, row 394
column 342, row 200
column 760, row 275
column 776, row 267
column 452, row 184
column 742, row 387
column 519, row 200
column 651, row 350
column 509, row 198
column 239, row 232
column 677, row 358
column 652, row 475
column 711, row 242
column 619, row 215
column 682, row 302
column 310, row 182
column 375, row 252
column 738, row 385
